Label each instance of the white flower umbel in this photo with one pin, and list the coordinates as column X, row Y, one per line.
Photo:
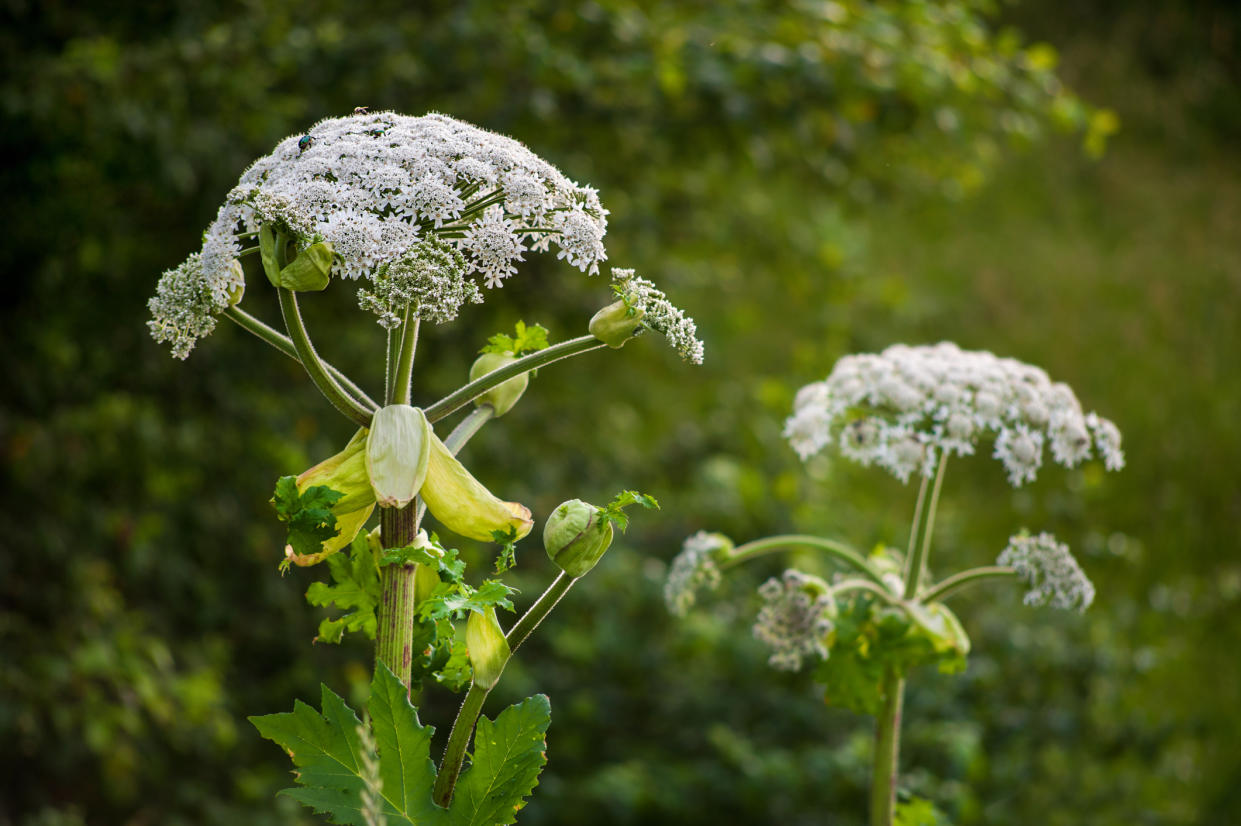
column 185, row 305
column 694, row 569
column 902, row 408
column 1050, row 570
column 431, row 280
column 659, row 314
column 376, row 186
column 795, row 619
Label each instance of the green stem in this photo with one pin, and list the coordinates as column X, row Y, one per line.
column 327, row 385
column 467, row 427
column 464, row 395
column 771, row 544
column 887, row 751
column 942, row 590
column 405, row 362
column 472, row 707
column 917, row 562
column 394, row 638
column 917, row 523
column 866, row 585
column 394, row 355
column 285, row 345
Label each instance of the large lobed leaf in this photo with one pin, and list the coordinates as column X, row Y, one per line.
column 509, row 755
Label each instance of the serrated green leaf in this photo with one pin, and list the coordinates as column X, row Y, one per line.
column 508, row 756
column 357, row 586
column 527, row 339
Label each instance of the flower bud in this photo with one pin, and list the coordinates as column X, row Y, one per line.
column 488, row 649
column 397, row 450
column 309, row 271
column 344, row 472
column 463, row 504
column 576, row 537
column 503, row 396
column 616, row 323
column 238, row 292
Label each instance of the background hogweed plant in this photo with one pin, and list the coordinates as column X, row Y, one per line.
column 906, row 410
column 417, row 211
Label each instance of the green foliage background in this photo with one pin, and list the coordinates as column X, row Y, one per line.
column 802, row 202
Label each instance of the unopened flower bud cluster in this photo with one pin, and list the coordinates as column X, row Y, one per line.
column 431, row 281
column 660, row 314
column 901, row 408
column 795, row 619
column 694, row 569
column 1050, row 570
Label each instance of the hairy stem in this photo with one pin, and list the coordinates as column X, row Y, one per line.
column 403, row 380
column 394, row 638
column 466, row 394
column 318, row 373
column 467, row 717
column 284, row 344
column 771, row 544
column 887, row 751
column 942, row 590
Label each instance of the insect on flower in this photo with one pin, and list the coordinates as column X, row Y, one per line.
column 304, row 143
column 361, row 110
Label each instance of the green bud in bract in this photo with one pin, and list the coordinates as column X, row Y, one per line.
column 488, row 649
column 238, row 292
column 616, row 323
column 309, row 271
column 576, row 537
column 397, row 452
column 503, row 396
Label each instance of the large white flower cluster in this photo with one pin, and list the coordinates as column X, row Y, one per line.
column 901, row 408
column 377, row 185
column 374, row 185
column 1050, row 570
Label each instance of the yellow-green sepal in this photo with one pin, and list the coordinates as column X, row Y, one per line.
column 616, row 323
column 463, row 505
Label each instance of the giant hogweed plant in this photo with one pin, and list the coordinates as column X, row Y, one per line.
column 906, row 410
column 416, row 211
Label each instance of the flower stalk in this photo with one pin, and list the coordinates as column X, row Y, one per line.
column 315, row 368
column 772, row 544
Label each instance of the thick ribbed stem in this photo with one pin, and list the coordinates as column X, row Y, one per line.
column 403, row 380
column 463, row 726
column 466, row 394
column 887, row 752
column 394, row 639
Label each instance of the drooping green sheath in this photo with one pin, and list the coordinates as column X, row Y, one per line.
column 463, row 504
column 576, row 536
column 397, row 451
column 503, row 396
column 344, row 472
column 616, row 323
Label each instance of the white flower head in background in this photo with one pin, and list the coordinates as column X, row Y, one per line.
column 1050, row 570
column 378, row 187
column 695, row 568
column 902, row 408
column 795, row 619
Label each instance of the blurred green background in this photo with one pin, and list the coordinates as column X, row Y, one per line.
column 808, row 180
